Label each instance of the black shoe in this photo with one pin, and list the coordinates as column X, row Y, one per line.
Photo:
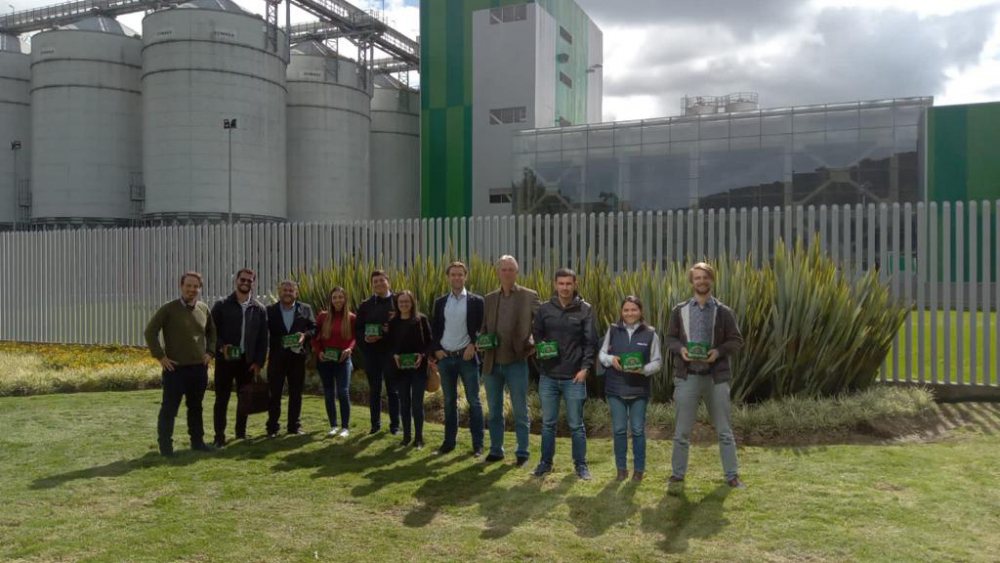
column 583, row 473
column 167, row 452
column 521, row 460
column 296, row 432
column 406, row 441
column 393, row 431
column 241, row 436
column 477, row 452
column 374, row 431
column 202, row 447
column 444, row 450
column 418, row 443
column 219, row 441
column 542, row 469
column 493, row 457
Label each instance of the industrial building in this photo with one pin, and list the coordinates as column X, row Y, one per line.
column 490, row 68
column 214, row 114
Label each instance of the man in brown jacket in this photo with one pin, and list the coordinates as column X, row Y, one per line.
column 505, row 342
column 701, row 335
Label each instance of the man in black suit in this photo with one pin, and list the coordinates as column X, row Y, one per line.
column 458, row 316
column 371, row 323
column 291, row 324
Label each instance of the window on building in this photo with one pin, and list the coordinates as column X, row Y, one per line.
column 567, row 36
column 509, row 14
column 508, row 115
column 501, row 195
column 565, row 79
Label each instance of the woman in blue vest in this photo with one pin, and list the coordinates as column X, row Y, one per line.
column 631, row 354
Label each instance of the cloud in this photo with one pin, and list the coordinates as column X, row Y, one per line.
column 834, row 55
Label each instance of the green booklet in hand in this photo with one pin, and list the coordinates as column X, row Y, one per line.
column 408, row 361
column 331, row 355
column 698, row 350
column 547, row 350
column 233, row 353
column 631, row 361
column 290, row 341
column 373, row 329
column 487, row 341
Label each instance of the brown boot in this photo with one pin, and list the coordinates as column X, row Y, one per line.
column 637, row 476
column 622, row 475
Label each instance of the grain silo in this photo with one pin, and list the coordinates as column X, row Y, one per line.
column 395, row 159
column 86, row 112
column 15, row 123
column 328, row 136
column 206, row 63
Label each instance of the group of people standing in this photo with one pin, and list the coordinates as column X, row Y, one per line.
column 472, row 339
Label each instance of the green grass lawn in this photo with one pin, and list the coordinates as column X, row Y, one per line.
column 79, row 479
column 960, row 357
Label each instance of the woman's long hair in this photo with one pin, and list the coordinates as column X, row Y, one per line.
column 345, row 322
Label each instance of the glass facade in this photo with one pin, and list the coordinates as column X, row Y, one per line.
column 834, row 154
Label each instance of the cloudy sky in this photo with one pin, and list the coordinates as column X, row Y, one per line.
column 790, row 51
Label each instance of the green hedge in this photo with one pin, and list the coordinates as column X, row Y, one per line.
column 809, row 331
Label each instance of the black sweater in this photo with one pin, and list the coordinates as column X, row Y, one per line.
column 410, row 336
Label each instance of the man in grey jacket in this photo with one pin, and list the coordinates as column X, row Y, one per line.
column 701, row 335
column 566, row 338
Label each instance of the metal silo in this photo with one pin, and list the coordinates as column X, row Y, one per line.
column 206, row 62
column 395, row 159
column 328, row 136
column 86, row 112
column 15, row 123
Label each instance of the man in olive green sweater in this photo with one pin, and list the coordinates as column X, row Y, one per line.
column 188, row 340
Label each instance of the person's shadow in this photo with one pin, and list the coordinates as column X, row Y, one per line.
column 678, row 519
column 251, row 449
column 520, row 503
column 463, row 487
column 417, row 470
column 334, row 458
column 594, row 515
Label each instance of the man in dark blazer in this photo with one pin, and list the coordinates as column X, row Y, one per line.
column 291, row 324
column 458, row 316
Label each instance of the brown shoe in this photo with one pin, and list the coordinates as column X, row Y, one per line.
column 622, row 475
column 637, row 476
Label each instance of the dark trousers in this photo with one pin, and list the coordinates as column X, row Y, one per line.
column 285, row 365
column 379, row 370
column 411, row 384
column 189, row 383
column 226, row 374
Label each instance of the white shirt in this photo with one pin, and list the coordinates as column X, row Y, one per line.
column 456, row 329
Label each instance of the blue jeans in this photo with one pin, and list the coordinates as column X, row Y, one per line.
column 574, row 394
column 336, row 378
column 515, row 376
column 451, row 369
column 687, row 394
column 629, row 415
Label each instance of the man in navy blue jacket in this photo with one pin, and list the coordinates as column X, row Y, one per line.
column 458, row 316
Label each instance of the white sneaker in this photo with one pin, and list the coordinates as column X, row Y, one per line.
column 333, row 431
column 344, row 433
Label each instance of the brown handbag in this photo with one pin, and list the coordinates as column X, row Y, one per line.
column 433, row 379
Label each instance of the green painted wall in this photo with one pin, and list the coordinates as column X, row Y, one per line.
column 446, row 94
column 963, row 152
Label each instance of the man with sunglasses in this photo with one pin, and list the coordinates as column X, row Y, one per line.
column 241, row 322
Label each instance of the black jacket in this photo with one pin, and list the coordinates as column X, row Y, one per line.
column 375, row 309
column 227, row 314
column 574, row 330
column 304, row 321
column 473, row 318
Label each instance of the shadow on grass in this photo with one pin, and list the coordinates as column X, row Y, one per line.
column 521, row 503
column 459, row 488
column 679, row 520
column 255, row 448
column 594, row 515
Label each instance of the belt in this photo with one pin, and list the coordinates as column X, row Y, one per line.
column 697, row 372
column 453, row 353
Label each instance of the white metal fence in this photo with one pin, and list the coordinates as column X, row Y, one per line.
column 100, row 286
